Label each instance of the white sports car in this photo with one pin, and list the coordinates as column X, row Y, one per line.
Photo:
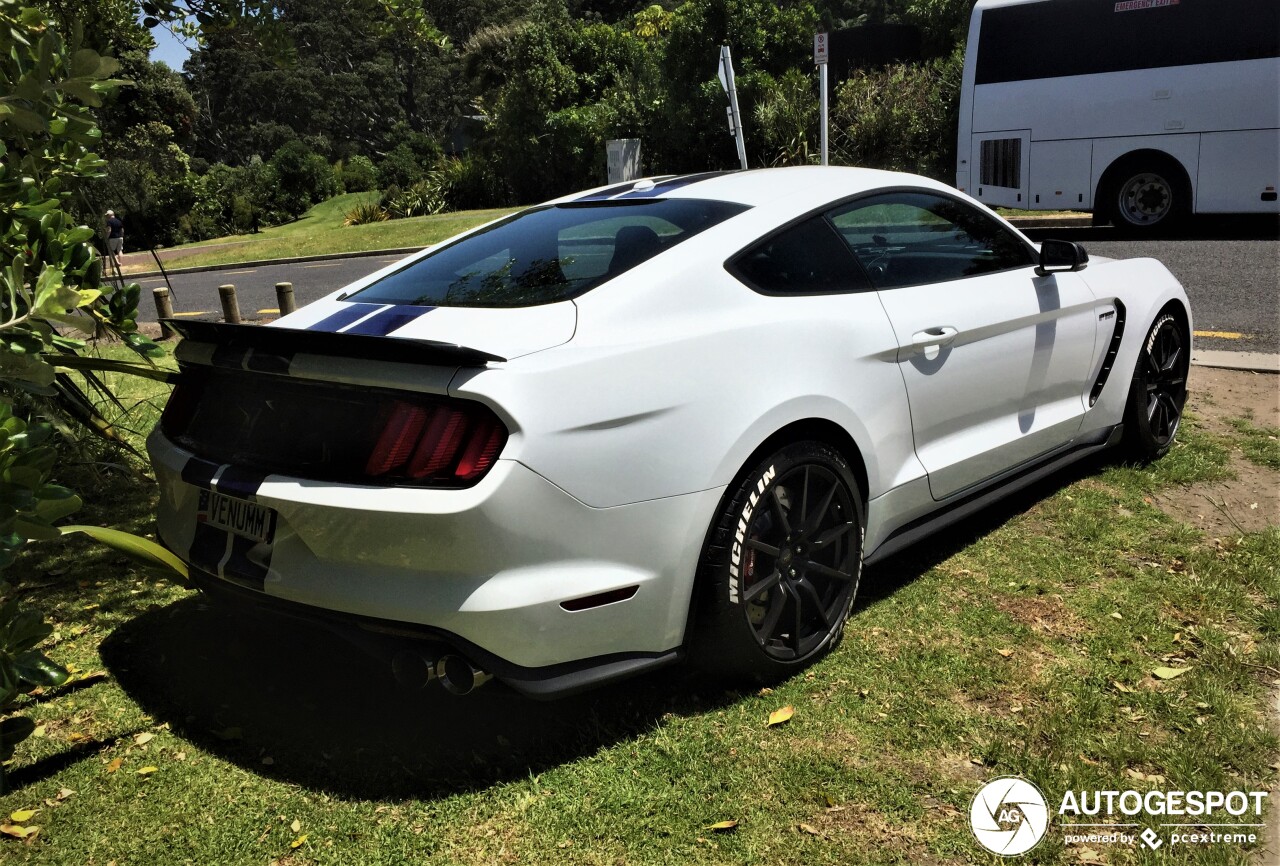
column 671, row 417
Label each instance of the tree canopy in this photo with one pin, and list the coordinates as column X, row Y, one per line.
column 492, row 101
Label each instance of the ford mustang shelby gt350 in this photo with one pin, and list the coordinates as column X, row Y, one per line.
column 670, row 417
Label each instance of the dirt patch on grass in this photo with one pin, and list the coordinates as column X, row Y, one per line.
column 891, row 842
column 1250, row 501
column 1047, row 614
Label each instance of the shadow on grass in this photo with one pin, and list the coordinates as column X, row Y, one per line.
column 885, row 578
column 293, row 703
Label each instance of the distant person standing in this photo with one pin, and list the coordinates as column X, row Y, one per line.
column 115, row 238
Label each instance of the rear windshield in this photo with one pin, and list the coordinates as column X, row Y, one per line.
column 547, row 254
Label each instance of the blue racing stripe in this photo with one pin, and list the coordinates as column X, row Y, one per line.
column 248, row 562
column 663, row 187
column 610, row 192
column 240, row 482
column 199, row 473
column 388, row 320
column 349, row 313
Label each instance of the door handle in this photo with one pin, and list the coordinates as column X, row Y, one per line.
column 941, row 335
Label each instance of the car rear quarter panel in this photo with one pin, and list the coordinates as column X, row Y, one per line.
column 678, row 372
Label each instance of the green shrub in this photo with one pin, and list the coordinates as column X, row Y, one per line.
column 468, row 182
column 305, row 177
column 365, row 212
column 901, row 118
column 357, row 174
column 401, row 167
column 422, row 199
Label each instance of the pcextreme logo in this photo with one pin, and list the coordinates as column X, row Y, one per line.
column 1010, row 815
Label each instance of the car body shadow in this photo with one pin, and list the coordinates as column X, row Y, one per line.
column 287, row 701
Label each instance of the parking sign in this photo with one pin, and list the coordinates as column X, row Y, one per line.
column 820, row 48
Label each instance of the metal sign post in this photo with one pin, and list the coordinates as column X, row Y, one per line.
column 735, row 118
column 820, row 58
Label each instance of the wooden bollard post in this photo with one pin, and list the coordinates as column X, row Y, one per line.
column 164, row 310
column 284, row 298
column 230, row 308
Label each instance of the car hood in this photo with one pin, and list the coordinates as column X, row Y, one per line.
column 506, row 332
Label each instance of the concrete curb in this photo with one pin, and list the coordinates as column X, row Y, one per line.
column 233, row 266
column 1249, row 362
column 1079, row 221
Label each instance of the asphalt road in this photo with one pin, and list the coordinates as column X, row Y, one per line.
column 1232, row 277
column 1231, row 274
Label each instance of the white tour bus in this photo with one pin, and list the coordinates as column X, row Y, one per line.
column 1142, row 111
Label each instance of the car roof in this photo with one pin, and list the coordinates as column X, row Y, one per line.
column 761, row 187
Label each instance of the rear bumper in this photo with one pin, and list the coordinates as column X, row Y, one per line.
column 486, row 568
column 384, row 640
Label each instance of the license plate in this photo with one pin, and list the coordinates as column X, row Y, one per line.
column 238, row 516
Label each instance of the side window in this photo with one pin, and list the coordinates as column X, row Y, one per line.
column 910, row 238
column 805, row 259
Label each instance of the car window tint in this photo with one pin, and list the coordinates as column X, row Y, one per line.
column 608, row 247
column 905, row 239
column 807, row 258
column 547, row 254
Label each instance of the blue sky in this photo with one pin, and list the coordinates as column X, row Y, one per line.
column 168, row 48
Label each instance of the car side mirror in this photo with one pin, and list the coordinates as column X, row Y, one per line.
column 1058, row 256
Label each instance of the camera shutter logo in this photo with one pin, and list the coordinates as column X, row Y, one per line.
column 1009, row 816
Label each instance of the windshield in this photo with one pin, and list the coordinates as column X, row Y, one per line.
column 547, row 254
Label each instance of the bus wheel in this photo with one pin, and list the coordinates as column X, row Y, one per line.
column 1147, row 198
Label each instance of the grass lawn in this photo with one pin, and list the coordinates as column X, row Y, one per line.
column 1020, row 643
column 321, row 231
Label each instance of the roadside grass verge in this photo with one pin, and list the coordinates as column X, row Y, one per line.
column 320, row 231
column 1260, row 445
column 1022, row 642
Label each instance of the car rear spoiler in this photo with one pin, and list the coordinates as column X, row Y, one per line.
column 273, row 348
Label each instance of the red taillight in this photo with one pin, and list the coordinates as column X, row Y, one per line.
column 436, row 443
column 398, row 438
column 439, row 444
column 481, row 449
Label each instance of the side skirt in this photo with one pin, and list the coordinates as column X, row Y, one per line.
column 971, row 502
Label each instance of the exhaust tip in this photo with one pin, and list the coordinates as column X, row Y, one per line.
column 459, row 676
column 412, row 670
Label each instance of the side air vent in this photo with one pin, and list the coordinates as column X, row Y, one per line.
column 1001, row 163
column 1108, row 362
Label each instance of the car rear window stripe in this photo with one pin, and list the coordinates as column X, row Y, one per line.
column 391, row 319
column 351, row 312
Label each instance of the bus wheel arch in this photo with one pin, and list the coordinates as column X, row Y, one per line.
column 1143, row 191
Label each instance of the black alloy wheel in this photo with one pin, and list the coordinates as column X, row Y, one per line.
column 786, row 570
column 800, row 564
column 1158, row 391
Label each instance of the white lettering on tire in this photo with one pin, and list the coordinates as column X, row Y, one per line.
column 740, row 537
